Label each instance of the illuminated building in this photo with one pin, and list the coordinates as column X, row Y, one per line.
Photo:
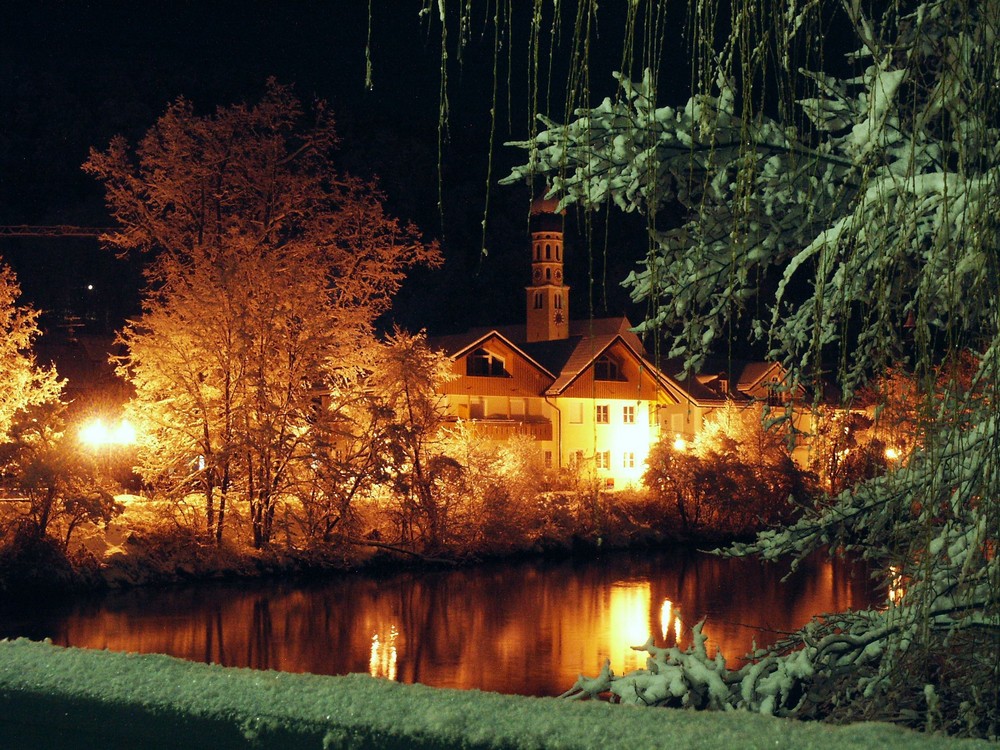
column 585, row 390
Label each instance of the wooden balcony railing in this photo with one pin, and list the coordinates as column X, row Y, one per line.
column 504, row 429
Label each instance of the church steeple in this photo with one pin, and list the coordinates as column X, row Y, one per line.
column 547, row 295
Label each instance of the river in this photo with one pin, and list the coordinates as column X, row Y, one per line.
column 526, row 628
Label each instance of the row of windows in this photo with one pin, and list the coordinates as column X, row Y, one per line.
column 548, row 251
column 602, row 459
column 540, row 301
column 483, row 363
column 603, row 414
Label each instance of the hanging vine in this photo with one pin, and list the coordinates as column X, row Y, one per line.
column 838, row 169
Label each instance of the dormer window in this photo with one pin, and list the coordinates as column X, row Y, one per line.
column 484, row 364
column 775, row 393
column 606, row 368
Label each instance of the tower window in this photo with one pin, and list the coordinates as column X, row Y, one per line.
column 557, row 253
column 539, row 301
column 557, row 302
column 605, row 368
column 548, row 252
column 484, row 364
column 548, row 274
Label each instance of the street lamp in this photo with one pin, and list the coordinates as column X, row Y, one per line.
column 96, row 434
column 107, row 443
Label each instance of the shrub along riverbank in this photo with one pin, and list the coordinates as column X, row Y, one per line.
column 136, row 549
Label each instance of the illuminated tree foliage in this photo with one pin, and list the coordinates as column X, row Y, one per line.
column 22, row 383
column 58, row 477
column 733, row 480
column 268, row 270
column 425, row 480
column 826, row 201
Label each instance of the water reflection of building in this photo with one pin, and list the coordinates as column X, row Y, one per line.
column 522, row 629
column 383, row 657
column 629, row 610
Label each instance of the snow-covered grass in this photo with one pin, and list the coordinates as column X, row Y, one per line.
column 75, row 698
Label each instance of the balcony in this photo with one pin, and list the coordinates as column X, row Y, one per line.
column 504, row 429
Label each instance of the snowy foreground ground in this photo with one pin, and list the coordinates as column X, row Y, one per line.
column 53, row 697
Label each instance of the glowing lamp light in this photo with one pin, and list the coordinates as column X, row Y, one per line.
column 97, row 434
column 891, row 453
column 679, row 444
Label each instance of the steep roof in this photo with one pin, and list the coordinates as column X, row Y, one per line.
column 754, row 372
column 566, row 359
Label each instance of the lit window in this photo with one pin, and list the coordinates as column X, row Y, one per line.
column 603, row 459
column 606, row 368
column 628, row 414
column 774, row 393
column 628, row 460
column 603, row 412
column 484, row 364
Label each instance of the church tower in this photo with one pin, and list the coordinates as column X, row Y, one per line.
column 547, row 296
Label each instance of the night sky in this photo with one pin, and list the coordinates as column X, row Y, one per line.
column 73, row 75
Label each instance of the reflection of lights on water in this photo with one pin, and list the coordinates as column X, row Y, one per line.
column 629, row 626
column 667, row 615
column 382, row 662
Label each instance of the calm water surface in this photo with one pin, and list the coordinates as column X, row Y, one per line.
column 526, row 628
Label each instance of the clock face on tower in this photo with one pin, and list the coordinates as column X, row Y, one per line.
column 538, row 274
column 558, row 317
column 558, row 275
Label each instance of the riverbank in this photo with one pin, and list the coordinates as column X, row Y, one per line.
column 74, row 698
column 124, row 554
